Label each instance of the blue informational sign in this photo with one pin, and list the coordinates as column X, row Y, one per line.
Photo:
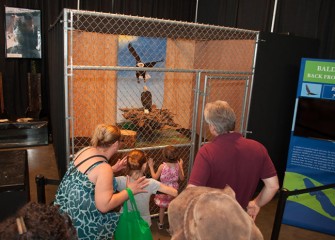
column 311, row 157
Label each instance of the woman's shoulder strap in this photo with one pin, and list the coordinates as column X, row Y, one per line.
column 79, row 153
column 86, row 159
column 90, row 168
column 93, row 156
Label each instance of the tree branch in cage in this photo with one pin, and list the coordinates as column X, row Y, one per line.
column 156, row 119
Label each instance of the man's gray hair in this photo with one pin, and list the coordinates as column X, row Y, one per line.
column 221, row 116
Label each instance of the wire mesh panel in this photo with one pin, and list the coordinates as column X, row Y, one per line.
column 233, row 89
column 148, row 77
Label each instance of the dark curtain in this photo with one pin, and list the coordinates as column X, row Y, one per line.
column 309, row 18
column 254, row 15
column 168, row 9
column 14, row 71
column 303, row 18
column 57, row 98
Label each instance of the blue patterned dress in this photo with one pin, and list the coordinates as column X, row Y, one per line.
column 75, row 196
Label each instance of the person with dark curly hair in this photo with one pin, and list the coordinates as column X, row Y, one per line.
column 38, row 221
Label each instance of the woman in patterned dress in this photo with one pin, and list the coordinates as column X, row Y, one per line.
column 85, row 192
column 169, row 172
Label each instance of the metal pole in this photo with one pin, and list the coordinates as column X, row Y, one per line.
column 274, row 15
column 202, row 117
column 68, row 74
column 283, row 194
column 196, row 12
column 247, row 131
column 40, row 186
column 194, row 122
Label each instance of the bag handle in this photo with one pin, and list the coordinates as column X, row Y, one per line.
column 132, row 202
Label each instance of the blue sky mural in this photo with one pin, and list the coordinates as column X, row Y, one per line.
column 132, row 50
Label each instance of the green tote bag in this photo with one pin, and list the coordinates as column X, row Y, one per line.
column 131, row 225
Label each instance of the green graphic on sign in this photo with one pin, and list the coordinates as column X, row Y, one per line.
column 320, row 201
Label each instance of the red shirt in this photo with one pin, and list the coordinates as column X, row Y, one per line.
column 234, row 160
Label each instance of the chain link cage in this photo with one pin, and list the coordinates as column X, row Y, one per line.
column 152, row 78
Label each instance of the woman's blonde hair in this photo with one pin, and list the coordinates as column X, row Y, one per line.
column 136, row 159
column 221, row 116
column 105, row 135
column 170, row 154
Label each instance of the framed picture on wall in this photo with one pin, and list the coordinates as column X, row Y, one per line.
column 23, row 33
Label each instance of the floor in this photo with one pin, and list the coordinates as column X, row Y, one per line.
column 41, row 160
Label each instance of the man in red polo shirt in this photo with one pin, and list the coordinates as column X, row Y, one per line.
column 230, row 159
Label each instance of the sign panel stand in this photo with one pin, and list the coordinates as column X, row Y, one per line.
column 311, row 157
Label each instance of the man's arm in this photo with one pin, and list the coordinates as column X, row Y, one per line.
column 270, row 188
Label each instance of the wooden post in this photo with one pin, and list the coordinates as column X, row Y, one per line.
column 128, row 138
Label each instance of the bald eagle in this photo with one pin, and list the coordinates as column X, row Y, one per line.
column 141, row 74
column 146, row 99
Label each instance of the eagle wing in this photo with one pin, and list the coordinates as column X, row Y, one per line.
column 134, row 53
column 151, row 64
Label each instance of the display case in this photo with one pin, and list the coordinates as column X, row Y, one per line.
column 23, row 134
